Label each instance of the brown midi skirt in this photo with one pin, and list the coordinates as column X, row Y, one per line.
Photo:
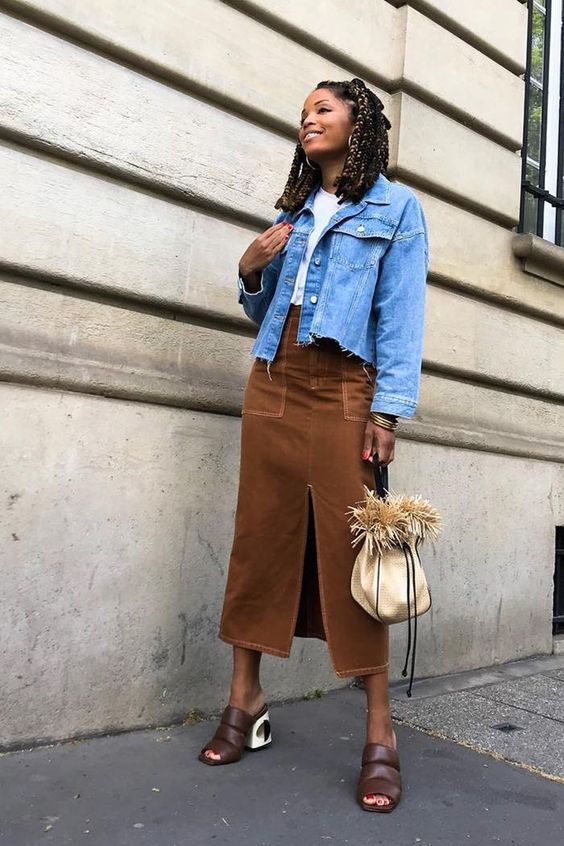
column 291, row 561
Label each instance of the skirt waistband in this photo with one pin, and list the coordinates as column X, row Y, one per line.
column 318, row 348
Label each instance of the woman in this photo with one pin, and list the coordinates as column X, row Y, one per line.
column 337, row 288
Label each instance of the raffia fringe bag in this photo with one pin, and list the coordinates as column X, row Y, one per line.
column 388, row 580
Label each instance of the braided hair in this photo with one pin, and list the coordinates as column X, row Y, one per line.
column 367, row 155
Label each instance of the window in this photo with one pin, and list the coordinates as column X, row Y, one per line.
column 542, row 194
column 558, row 606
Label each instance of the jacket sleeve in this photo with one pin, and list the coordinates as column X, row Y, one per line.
column 399, row 305
column 255, row 305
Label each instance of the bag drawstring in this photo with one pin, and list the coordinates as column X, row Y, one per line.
column 381, row 486
column 410, row 584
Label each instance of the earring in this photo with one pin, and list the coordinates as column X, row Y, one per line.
column 350, row 136
column 309, row 163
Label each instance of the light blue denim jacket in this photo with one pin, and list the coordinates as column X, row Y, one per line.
column 365, row 287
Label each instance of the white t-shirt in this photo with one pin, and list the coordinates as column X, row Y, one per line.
column 325, row 205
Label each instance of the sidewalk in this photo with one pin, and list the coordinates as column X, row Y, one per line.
column 146, row 787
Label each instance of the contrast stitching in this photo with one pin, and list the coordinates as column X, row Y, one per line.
column 321, row 588
column 264, row 413
column 280, row 412
column 259, row 646
column 300, row 577
column 363, row 670
column 346, row 413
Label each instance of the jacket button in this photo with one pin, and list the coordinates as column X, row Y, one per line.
column 313, row 299
column 360, row 228
column 317, row 261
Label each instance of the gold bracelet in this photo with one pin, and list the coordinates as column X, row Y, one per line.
column 376, row 415
column 383, row 425
column 385, row 422
column 387, row 415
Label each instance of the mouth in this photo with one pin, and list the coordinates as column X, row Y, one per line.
column 311, row 134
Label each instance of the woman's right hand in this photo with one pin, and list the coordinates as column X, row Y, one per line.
column 263, row 249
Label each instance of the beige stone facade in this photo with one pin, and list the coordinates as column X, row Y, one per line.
column 142, row 146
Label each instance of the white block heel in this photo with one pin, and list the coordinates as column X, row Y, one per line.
column 237, row 730
column 259, row 734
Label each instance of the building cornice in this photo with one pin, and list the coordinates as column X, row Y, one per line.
column 539, row 257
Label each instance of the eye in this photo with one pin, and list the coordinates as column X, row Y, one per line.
column 322, row 109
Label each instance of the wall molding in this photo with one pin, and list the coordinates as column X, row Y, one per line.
column 539, row 257
column 82, row 346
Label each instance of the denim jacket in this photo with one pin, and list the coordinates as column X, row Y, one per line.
column 365, row 287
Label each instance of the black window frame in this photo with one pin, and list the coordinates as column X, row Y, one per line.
column 528, row 189
column 558, row 596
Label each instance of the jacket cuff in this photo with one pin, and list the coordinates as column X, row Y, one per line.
column 244, row 291
column 399, row 406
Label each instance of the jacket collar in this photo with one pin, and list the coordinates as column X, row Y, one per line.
column 379, row 192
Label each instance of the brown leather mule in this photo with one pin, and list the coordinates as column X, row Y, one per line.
column 238, row 730
column 380, row 773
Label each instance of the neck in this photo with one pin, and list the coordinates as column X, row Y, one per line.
column 330, row 171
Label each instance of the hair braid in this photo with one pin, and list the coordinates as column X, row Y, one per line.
column 368, row 149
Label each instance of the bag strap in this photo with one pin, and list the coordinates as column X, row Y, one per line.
column 381, row 488
column 380, row 477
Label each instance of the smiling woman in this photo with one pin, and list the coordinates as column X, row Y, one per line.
column 337, row 288
column 337, row 114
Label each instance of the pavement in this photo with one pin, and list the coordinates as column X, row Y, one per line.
column 464, row 779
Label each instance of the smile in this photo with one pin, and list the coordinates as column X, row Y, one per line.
column 311, row 134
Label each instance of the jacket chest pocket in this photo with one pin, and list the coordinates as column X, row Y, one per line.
column 358, row 243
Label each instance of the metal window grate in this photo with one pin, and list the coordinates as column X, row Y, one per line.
column 558, row 609
column 542, row 183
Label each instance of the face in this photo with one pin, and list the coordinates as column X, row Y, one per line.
column 325, row 126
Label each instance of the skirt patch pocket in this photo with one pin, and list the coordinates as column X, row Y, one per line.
column 358, row 384
column 265, row 392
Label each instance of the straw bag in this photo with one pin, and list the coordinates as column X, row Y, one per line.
column 388, row 580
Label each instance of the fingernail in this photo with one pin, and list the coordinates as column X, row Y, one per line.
column 365, row 454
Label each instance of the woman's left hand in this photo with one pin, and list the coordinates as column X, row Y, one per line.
column 380, row 440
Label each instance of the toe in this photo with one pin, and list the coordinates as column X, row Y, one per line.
column 376, row 799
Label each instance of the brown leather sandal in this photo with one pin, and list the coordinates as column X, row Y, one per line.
column 380, row 773
column 237, row 730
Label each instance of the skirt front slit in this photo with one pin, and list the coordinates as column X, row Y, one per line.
column 290, row 566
